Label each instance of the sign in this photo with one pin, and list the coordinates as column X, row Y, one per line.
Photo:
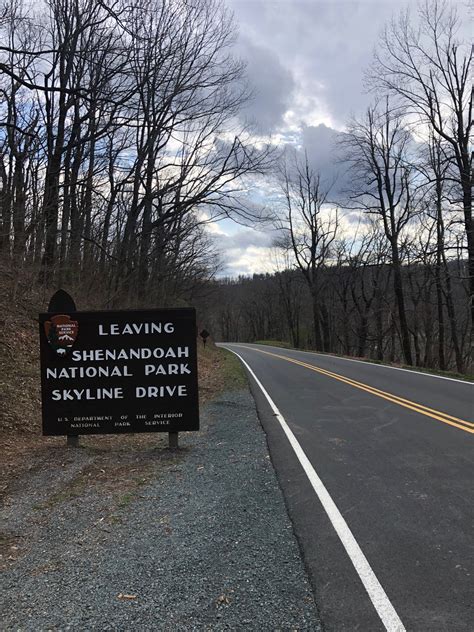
column 119, row 371
column 204, row 335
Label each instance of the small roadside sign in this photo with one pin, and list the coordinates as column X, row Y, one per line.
column 204, row 335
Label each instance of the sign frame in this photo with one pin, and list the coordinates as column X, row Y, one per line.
column 97, row 375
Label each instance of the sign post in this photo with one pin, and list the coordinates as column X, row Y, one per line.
column 118, row 371
column 61, row 301
column 204, row 335
column 173, row 440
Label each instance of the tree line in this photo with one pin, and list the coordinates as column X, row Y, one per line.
column 357, row 313
column 120, row 139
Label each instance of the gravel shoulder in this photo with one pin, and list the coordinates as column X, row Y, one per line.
column 148, row 539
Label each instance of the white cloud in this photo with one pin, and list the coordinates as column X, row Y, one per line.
column 243, row 250
column 248, row 261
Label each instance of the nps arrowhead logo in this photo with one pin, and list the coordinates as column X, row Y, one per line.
column 61, row 333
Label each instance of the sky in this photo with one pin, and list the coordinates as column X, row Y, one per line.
column 305, row 62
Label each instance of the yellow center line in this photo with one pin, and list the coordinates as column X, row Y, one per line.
column 378, row 391
column 467, row 426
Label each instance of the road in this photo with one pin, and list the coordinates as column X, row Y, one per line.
column 376, row 465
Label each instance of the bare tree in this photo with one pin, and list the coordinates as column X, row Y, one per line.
column 290, row 290
column 119, row 138
column 439, row 219
column 188, row 90
column 311, row 229
column 429, row 68
column 363, row 262
column 377, row 151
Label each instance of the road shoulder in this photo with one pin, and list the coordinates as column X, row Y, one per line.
column 204, row 542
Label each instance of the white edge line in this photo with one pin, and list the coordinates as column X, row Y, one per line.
column 383, row 366
column 378, row 597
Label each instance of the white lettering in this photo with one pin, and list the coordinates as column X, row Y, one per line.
column 167, row 369
column 88, row 371
column 71, row 394
column 114, row 329
column 137, row 353
column 161, row 391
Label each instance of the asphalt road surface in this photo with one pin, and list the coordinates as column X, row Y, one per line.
column 377, row 469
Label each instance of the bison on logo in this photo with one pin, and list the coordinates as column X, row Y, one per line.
column 61, row 333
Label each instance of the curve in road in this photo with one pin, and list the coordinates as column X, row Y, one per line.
column 401, row 481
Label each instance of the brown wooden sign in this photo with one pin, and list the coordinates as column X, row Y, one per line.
column 119, row 371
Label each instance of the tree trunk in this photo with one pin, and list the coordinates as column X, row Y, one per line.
column 318, row 345
column 5, row 212
column 400, row 299
column 453, row 322
column 362, row 336
column 467, row 205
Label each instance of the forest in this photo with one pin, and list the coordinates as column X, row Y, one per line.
column 120, row 142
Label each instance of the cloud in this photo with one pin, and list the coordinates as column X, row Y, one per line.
column 243, row 251
column 244, row 239
column 272, row 85
column 253, row 260
column 230, row 237
column 321, row 145
column 316, row 51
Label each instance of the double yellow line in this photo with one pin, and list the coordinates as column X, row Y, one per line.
column 467, row 426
